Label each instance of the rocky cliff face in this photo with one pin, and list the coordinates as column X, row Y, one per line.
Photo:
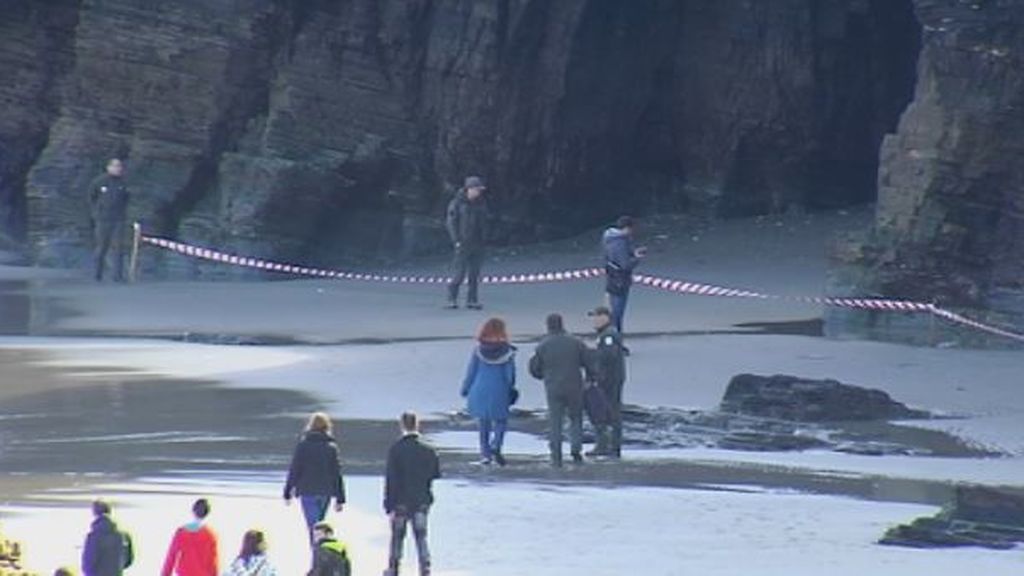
column 950, row 220
column 300, row 129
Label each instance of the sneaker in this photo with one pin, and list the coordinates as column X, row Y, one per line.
column 474, row 306
column 500, row 458
column 483, row 462
column 451, row 306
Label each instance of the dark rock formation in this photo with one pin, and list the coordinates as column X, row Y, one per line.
column 278, row 127
column 950, row 224
column 977, row 516
column 800, row 400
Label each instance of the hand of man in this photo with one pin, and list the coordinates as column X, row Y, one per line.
column 338, row 506
column 641, row 251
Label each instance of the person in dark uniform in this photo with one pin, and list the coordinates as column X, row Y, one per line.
column 610, row 374
column 411, row 469
column 560, row 360
column 467, row 227
column 108, row 203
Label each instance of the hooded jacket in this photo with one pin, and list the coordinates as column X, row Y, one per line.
column 466, row 221
column 330, row 558
column 618, row 249
column 193, row 552
column 490, row 376
column 107, row 551
column 316, row 468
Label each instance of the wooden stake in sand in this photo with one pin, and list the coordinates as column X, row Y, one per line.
column 133, row 261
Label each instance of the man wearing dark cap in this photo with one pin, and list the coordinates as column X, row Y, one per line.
column 610, row 374
column 620, row 258
column 467, row 227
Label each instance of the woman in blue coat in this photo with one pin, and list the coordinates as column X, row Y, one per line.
column 489, row 384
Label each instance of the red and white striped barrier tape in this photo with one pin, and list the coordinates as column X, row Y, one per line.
column 667, row 284
column 259, row 264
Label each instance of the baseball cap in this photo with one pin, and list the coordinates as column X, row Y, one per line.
column 475, row 182
column 600, row 311
column 624, row 222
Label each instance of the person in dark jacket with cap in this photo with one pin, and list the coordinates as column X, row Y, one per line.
column 467, row 227
column 108, row 203
column 620, row 259
column 108, row 550
column 411, row 469
column 561, row 360
column 609, row 371
column 315, row 472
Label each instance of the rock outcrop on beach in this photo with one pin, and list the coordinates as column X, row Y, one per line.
column 803, row 400
column 976, row 516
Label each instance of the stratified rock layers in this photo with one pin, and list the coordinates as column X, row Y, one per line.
column 279, row 127
column 950, row 217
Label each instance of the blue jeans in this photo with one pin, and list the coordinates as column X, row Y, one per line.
column 618, row 306
column 314, row 509
column 492, row 435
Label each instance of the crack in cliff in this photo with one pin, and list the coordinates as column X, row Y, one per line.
column 54, row 26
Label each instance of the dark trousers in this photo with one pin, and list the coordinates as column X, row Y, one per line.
column 109, row 240
column 609, row 436
column 560, row 405
column 617, row 303
column 466, row 265
column 400, row 520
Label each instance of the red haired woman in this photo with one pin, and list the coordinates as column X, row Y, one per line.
column 488, row 386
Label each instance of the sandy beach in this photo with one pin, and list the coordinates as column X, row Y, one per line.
column 154, row 392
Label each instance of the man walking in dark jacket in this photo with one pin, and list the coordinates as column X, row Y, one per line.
column 108, row 550
column 108, row 203
column 560, row 360
column 610, row 373
column 412, row 468
column 467, row 226
column 620, row 258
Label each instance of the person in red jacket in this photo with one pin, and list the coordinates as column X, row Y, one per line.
column 193, row 550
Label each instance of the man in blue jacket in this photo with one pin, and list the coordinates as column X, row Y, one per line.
column 620, row 258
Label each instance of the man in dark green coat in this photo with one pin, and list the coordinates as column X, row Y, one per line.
column 610, row 374
column 466, row 221
column 560, row 361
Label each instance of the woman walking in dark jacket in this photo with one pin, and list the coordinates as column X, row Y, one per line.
column 315, row 473
column 489, row 386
